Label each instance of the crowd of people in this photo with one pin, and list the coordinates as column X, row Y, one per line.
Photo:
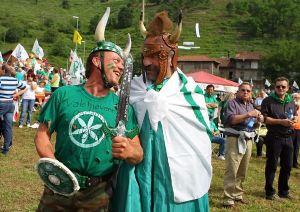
column 161, row 161
column 26, row 89
column 246, row 118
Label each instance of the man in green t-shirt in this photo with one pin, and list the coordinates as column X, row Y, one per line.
column 81, row 116
column 211, row 101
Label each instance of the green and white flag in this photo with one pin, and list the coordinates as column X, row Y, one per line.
column 240, row 81
column 76, row 70
column 267, row 83
column 72, row 54
column 295, row 85
column 36, row 67
column 37, row 50
column 20, row 53
column 178, row 117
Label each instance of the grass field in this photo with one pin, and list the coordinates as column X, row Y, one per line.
column 20, row 186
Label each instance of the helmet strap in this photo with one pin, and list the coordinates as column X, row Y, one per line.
column 103, row 75
column 143, row 69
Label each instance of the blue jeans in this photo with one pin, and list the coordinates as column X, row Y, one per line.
column 6, row 116
column 27, row 107
column 221, row 141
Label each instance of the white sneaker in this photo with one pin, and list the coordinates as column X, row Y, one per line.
column 221, row 157
column 35, row 125
column 28, row 125
column 20, row 126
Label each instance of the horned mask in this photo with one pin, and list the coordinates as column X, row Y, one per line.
column 159, row 40
column 103, row 45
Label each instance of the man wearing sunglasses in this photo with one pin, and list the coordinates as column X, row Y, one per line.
column 240, row 117
column 279, row 111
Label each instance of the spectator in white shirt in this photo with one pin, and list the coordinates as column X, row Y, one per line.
column 28, row 100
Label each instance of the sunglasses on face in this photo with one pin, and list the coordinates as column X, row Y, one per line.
column 245, row 90
column 280, row 86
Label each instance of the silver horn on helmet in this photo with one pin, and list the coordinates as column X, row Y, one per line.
column 143, row 29
column 176, row 34
column 127, row 47
column 100, row 29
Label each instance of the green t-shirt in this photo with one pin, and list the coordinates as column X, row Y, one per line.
column 78, row 118
column 47, row 87
column 42, row 73
column 50, row 76
column 213, row 126
column 20, row 76
column 210, row 99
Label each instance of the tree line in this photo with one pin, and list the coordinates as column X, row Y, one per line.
column 276, row 21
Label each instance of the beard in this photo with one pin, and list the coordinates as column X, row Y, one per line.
column 152, row 72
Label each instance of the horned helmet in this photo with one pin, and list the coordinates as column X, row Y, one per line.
column 102, row 45
column 159, row 41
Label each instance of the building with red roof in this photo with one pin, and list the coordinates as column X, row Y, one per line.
column 194, row 63
column 244, row 65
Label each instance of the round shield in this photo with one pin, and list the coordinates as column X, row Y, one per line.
column 57, row 176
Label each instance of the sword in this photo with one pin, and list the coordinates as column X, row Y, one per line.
column 124, row 91
column 122, row 115
column 121, row 118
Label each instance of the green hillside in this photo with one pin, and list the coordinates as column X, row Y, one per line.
column 219, row 33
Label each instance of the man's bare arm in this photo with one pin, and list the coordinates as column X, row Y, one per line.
column 283, row 122
column 42, row 142
column 236, row 119
column 211, row 105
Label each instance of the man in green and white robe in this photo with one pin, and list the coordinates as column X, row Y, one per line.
column 175, row 174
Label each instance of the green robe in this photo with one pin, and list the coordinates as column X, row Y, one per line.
column 153, row 174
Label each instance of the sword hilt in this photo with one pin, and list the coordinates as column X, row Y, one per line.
column 121, row 129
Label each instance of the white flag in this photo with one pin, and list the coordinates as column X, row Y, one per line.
column 37, row 50
column 267, row 83
column 240, row 81
column 197, row 29
column 71, row 56
column 76, row 70
column 20, row 53
column 1, row 58
column 37, row 67
column 184, row 47
column 295, row 85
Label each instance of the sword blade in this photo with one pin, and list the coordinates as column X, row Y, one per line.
column 124, row 96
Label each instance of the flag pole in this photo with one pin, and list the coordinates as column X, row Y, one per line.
column 76, row 17
column 83, row 51
column 8, row 58
column 67, row 64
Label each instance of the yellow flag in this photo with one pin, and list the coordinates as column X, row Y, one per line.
column 77, row 37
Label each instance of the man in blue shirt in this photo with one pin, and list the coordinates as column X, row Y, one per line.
column 8, row 86
column 240, row 116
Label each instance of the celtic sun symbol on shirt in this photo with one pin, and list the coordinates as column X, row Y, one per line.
column 85, row 134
